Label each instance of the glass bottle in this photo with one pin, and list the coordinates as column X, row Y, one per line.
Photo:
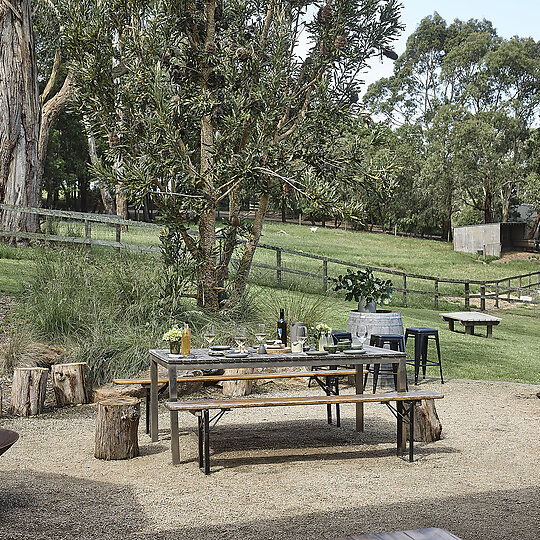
column 282, row 327
column 322, row 341
column 185, row 347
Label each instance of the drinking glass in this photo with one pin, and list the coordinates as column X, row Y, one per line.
column 361, row 334
column 210, row 334
column 240, row 338
column 260, row 333
column 302, row 335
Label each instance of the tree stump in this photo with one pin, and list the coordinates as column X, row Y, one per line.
column 427, row 426
column 117, row 424
column 28, row 391
column 240, row 387
column 69, row 383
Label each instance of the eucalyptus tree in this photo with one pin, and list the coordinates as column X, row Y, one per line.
column 220, row 98
column 26, row 116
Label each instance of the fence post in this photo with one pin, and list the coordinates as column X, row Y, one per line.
column 88, row 233
column 436, row 293
column 467, row 295
column 278, row 265
column 497, row 294
column 118, row 236
column 404, row 290
column 483, row 296
column 47, row 230
column 508, row 296
column 325, row 274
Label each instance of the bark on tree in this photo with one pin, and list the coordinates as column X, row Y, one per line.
column 19, row 116
column 69, row 383
column 535, row 226
column 237, row 388
column 106, row 197
column 427, row 426
column 117, row 423
column 28, row 391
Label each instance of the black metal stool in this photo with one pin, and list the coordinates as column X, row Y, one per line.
column 421, row 337
column 397, row 343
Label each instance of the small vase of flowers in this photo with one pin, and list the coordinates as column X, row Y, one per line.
column 174, row 337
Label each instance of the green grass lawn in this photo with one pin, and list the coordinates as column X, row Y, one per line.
column 512, row 355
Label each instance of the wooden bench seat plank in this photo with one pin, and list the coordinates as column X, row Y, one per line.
column 199, row 405
column 243, row 377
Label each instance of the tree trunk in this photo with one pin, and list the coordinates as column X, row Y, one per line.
column 427, row 426
column 244, row 266
column 28, row 391
column 19, row 116
column 69, row 383
column 237, row 388
column 106, row 197
column 50, row 112
column 117, row 423
column 535, row 226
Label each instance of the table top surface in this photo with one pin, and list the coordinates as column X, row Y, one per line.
column 470, row 316
column 200, row 359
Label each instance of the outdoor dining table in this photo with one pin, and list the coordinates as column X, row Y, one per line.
column 201, row 360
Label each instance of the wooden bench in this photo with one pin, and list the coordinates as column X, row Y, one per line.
column 330, row 386
column 201, row 409
column 470, row 319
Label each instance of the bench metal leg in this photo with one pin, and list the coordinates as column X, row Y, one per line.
column 411, row 431
column 206, row 429
column 200, row 432
column 328, row 407
column 400, row 438
column 147, row 410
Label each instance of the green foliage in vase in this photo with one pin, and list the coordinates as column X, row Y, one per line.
column 363, row 284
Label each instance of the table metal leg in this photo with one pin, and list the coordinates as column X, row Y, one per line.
column 401, row 387
column 153, row 400
column 359, row 383
column 175, row 447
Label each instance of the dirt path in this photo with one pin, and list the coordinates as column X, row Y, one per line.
column 283, row 473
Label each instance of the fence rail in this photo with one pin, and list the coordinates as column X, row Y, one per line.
column 526, row 289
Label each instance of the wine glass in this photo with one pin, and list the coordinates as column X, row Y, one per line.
column 361, row 334
column 240, row 338
column 260, row 333
column 210, row 334
column 302, row 335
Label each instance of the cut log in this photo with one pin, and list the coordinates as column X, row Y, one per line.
column 237, row 388
column 117, row 426
column 427, row 426
column 28, row 391
column 69, row 383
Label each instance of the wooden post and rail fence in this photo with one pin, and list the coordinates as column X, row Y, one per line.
column 524, row 288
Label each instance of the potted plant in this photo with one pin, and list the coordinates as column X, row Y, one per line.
column 174, row 337
column 364, row 288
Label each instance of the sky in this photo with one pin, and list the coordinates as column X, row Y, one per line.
column 510, row 18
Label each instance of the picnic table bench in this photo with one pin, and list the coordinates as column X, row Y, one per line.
column 470, row 319
column 201, row 409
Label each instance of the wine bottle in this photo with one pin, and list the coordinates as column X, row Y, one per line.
column 282, row 327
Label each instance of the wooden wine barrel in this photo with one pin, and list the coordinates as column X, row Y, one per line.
column 378, row 323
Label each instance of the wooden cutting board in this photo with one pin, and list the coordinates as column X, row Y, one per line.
column 278, row 351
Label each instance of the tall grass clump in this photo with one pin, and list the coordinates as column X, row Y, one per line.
column 108, row 309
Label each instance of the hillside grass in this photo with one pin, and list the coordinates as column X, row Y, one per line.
column 117, row 314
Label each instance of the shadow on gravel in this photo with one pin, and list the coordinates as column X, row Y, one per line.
column 479, row 516
column 54, row 506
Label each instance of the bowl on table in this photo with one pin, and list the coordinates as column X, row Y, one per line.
column 342, row 345
column 330, row 348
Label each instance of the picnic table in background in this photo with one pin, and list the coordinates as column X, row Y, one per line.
column 470, row 319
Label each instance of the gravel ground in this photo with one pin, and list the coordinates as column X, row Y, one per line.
column 283, row 473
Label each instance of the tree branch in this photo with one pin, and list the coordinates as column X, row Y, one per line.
column 52, row 77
